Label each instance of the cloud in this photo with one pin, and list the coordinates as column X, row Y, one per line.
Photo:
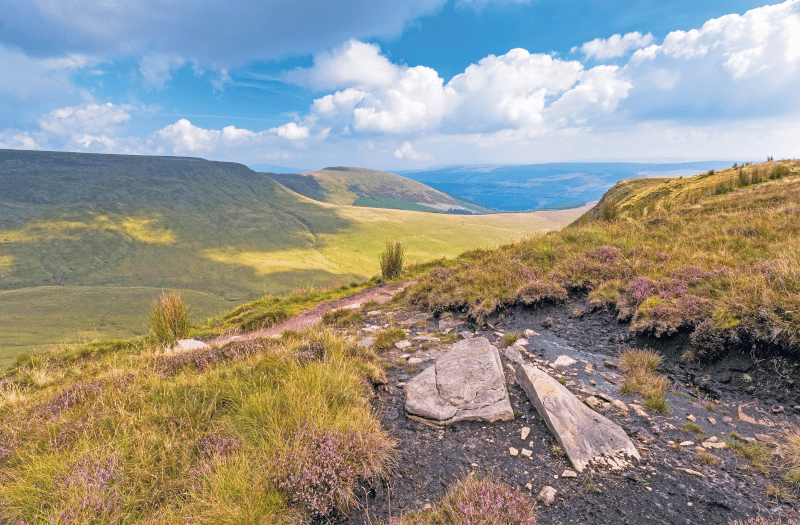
column 614, row 46
column 407, row 151
column 230, row 35
column 355, row 64
column 292, row 131
column 11, row 139
column 90, row 118
column 156, row 68
column 26, row 77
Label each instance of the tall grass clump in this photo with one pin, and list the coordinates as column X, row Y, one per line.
column 169, row 318
column 640, row 369
column 392, row 260
column 793, row 457
column 476, row 501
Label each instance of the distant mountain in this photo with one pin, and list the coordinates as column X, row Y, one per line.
column 348, row 186
column 271, row 168
column 541, row 186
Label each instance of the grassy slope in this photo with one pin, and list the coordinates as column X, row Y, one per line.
column 119, row 229
column 712, row 253
column 344, row 186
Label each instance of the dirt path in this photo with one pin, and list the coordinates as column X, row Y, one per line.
column 380, row 294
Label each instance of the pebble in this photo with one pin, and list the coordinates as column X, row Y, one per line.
column 620, row 405
column 524, row 433
column 513, row 451
column 712, row 439
column 529, row 333
column 727, row 419
column 691, row 418
column 527, row 453
column 593, row 382
column 593, row 402
column 687, row 443
column 569, row 474
column 521, row 342
column 402, row 344
column 721, row 444
column 712, row 420
column 529, row 486
column 564, row 360
column 414, row 361
column 401, row 384
column 547, row 495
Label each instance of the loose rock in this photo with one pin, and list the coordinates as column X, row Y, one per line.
column 524, row 432
column 564, row 360
column 569, row 474
column 191, row 344
column 405, row 343
column 547, row 495
column 583, row 433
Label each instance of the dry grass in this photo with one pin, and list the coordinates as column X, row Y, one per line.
column 129, row 434
column 792, row 447
column 640, row 368
column 169, row 318
column 392, row 260
column 672, row 256
column 758, row 455
column 385, row 339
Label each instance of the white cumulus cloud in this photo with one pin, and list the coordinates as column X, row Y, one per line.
column 614, row 46
column 156, row 68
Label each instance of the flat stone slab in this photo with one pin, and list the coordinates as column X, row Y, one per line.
column 191, row 344
column 466, row 384
column 585, row 435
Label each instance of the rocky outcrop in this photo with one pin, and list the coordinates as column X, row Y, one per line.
column 465, row 384
column 585, row 435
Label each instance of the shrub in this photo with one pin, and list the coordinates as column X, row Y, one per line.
column 476, row 501
column 708, row 344
column 169, row 318
column 392, row 260
column 320, row 475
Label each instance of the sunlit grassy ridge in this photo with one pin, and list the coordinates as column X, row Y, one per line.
column 348, row 186
column 218, row 231
column 717, row 253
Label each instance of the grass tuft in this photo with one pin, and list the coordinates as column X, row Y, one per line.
column 640, row 369
column 342, row 317
column 392, row 260
column 169, row 318
column 509, row 338
column 385, row 339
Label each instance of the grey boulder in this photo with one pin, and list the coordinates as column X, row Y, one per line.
column 465, row 384
column 585, row 435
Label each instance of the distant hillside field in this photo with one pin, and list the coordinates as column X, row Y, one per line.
column 87, row 241
column 348, row 186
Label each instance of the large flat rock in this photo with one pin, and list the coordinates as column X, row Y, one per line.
column 584, row 434
column 466, row 384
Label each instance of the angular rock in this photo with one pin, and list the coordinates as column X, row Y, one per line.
column 524, row 433
column 529, row 333
column 405, row 343
column 547, row 495
column 466, row 384
column 564, row 360
column 367, row 342
column 582, row 433
column 414, row 361
column 191, row 344
column 513, row 354
column 569, row 474
column 450, row 323
column 513, row 451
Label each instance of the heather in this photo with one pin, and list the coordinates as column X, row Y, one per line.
column 476, row 501
column 669, row 255
column 262, row 431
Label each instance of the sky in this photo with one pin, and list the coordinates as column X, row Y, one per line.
column 403, row 85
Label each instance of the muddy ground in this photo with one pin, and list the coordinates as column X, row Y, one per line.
column 655, row 490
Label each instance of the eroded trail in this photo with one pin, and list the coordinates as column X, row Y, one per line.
column 380, row 294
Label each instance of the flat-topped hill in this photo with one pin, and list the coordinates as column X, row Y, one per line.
column 348, row 186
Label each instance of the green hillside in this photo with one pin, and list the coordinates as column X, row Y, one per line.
column 117, row 229
column 347, row 186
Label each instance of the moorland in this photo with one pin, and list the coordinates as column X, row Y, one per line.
column 309, row 427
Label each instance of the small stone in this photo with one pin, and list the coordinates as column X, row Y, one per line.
column 547, row 495
column 690, row 417
column 692, row 472
column 620, row 405
column 569, row 474
column 713, row 439
column 414, row 361
column 720, row 444
column 513, row 451
column 609, row 363
column 712, row 420
column 524, row 432
column 529, row 333
column 797, row 407
column 606, row 405
column 686, row 443
column 191, row 344
column 752, row 441
column 373, row 312
column 475, row 465
column 764, row 437
column 401, row 384
column 776, row 409
column 521, row 342
column 405, row 343
column 529, row 486
column 727, row 419
column 669, row 426
column 593, row 382
column 527, row 453
column 564, row 360
column 593, row 402
column 427, row 506
column 571, row 383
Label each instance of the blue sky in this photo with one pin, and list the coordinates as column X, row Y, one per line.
column 402, row 85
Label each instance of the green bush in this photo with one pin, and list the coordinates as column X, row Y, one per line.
column 169, row 318
column 392, row 260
